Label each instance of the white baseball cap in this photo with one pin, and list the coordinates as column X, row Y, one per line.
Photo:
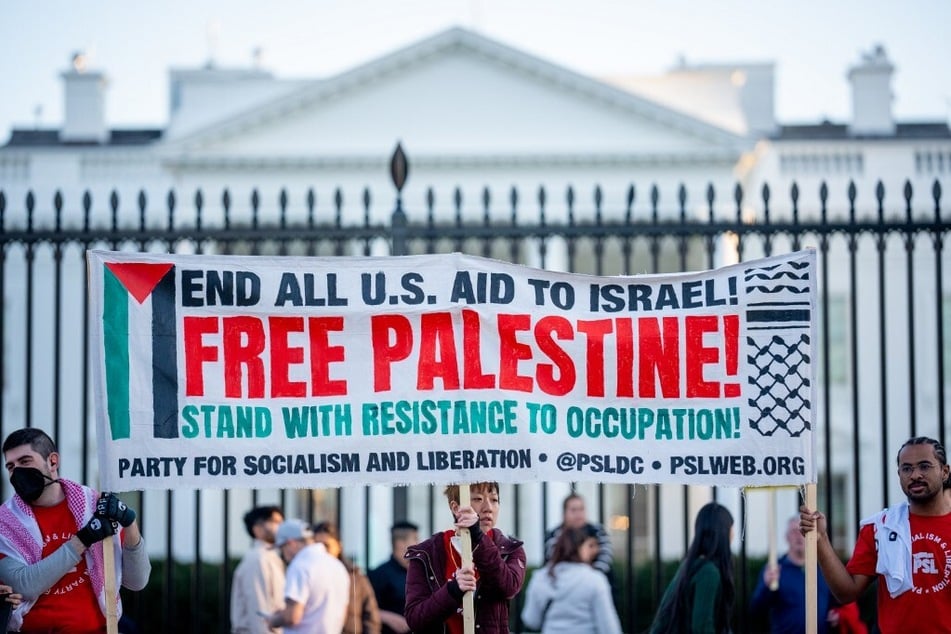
column 292, row 529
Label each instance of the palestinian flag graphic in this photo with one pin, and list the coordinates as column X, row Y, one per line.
column 139, row 305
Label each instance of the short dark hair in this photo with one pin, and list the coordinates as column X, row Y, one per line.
column 939, row 451
column 37, row 439
column 452, row 491
column 325, row 527
column 260, row 514
column 402, row 530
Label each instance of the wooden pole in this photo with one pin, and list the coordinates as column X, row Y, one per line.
column 812, row 562
column 468, row 600
column 112, row 605
column 771, row 522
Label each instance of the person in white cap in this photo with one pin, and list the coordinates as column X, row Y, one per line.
column 317, row 587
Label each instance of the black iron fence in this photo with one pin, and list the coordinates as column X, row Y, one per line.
column 884, row 341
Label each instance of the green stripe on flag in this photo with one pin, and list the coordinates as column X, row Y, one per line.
column 115, row 340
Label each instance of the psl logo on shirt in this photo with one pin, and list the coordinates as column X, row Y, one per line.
column 924, row 562
column 139, row 301
column 931, row 563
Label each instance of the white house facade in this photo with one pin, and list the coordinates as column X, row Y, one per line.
column 473, row 113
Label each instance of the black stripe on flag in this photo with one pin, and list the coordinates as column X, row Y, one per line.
column 164, row 359
column 759, row 316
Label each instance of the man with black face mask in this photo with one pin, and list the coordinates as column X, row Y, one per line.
column 51, row 534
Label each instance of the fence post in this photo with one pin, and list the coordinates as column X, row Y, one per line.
column 399, row 170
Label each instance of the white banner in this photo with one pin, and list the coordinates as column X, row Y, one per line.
column 230, row 371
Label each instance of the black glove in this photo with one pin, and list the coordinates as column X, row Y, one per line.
column 110, row 507
column 95, row 530
column 475, row 533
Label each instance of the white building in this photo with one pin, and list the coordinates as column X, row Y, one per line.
column 472, row 112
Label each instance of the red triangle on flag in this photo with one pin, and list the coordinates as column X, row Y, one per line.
column 139, row 278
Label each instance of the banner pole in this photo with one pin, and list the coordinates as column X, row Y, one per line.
column 468, row 599
column 771, row 520
column 109, row 563
column 812, row 564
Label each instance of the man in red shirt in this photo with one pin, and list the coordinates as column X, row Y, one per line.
column 907, row 547
column 51, row 549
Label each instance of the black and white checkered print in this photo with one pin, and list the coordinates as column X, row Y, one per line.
column 779, row 347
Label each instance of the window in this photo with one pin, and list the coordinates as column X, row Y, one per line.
column 821, row 163
column 931, row 162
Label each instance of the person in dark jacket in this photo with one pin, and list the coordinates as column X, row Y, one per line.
column 389, row 578
column 781, row 590
column 436, row 579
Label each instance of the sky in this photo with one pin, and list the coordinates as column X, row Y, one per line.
column 812, row 43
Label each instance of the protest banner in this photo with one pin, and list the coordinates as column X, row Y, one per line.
column 239, row 371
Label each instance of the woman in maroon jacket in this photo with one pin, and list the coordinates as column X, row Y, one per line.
column 436, row 580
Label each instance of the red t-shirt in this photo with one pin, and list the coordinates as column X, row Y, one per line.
column 928, row 604
column 71, row 604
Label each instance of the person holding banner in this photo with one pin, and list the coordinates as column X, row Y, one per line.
column 569, row 595
column 700, row 597
column 258, row 581
column 436, row 580
column 906, row 547
column 50, row 550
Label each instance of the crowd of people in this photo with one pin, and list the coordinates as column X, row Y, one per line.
column 54, row 534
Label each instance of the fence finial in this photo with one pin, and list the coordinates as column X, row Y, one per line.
column 399, row 167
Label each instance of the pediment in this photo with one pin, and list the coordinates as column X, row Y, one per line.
column 458, row 93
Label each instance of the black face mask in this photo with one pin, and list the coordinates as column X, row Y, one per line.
column 29, row 483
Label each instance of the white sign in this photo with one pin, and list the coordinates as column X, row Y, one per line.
column 230, row 371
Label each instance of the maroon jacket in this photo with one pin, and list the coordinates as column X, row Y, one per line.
column 500, row 562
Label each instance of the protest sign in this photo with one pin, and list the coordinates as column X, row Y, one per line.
column 239, row 371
